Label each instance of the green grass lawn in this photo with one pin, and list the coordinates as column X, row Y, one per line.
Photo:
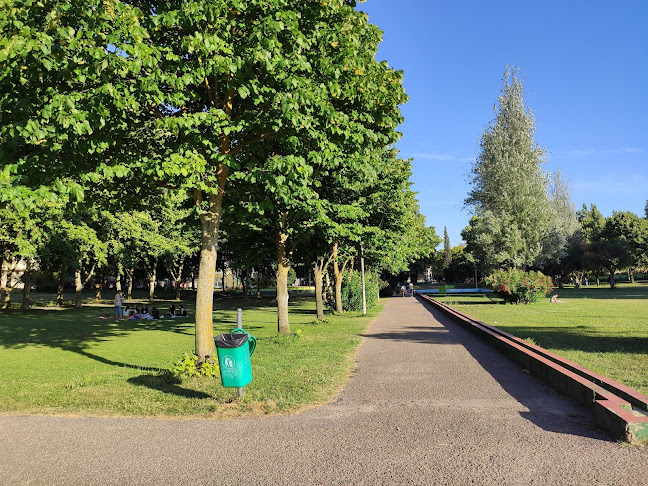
column 67, row 361
column 602, row 329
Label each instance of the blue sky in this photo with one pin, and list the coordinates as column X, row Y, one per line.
column 585, row 70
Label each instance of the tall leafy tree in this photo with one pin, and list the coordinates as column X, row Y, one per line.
column 563, row 230
column 509, row 186
column 604, row 241
column 447, row 251
column 632, row 231
column 241, row 76
column 592, row 222
column 73, row 80
column 21, row 233
column 183, row 92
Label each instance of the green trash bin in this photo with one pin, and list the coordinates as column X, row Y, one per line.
column 234, row 351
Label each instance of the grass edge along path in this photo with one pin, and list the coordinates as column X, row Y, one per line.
column 72, row 362
column 601, row 329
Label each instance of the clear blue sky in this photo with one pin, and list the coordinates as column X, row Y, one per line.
column 585, row 70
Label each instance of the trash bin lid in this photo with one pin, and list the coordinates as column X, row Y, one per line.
column 232, row 340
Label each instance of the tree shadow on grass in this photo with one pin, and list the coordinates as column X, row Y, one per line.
column 114, row 363
column 78, row 330
column 72, row 329
column 579, row 338
column 166, row 383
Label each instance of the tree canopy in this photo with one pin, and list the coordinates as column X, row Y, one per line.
column 277, row 108
column 509, row 187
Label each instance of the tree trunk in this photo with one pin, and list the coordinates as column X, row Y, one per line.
column 129, row 289
column 7, row 298
column 244, row 281
column 223, row 276
column 578, row 278
column 364, row 288
column 78, row 286
column 152, row 275
column 61, row 282
column 178, row 295
column 283, row 266
column 328, row 290
column 631, row 275
column 3, row 278
column 319, row 277
column 612, row 282
column 338, row 289
column 178, row 278
column 337, row 274
column 98, row 286
column 8, row 282
column 26, row 278
column 210, row 223
column 118, row 286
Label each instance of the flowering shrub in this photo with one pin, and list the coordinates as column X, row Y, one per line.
column 516, row 286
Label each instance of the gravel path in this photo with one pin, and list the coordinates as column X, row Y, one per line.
column 428, row 403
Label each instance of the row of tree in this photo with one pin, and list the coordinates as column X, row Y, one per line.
column 271, row 119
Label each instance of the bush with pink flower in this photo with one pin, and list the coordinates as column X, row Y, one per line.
column 517, row 286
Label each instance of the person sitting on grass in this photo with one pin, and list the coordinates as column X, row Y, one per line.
column 182, row 312
column 172, row 311
column 554, row 299
column 155, row 314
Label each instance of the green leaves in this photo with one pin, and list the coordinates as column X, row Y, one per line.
column 509, row 187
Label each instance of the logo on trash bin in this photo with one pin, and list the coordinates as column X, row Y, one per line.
column 228, row 362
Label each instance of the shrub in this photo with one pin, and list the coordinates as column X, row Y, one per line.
column 188, row 366
column 517, row 286
column 352, row 290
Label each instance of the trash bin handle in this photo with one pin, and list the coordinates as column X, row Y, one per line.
column 252, row 341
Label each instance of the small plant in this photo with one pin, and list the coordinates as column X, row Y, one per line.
column 188, row 366
column 516, row 286
column 299, row 333
column 531, row 341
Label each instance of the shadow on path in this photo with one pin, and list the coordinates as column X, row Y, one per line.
column 547, row 408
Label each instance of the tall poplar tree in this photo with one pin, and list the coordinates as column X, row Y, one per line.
column 509, row 187
column 447, row 251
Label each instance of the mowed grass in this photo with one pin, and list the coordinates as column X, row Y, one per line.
column 602, row 329
column 67, row 361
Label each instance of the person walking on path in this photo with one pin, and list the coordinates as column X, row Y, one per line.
column 118, row 305
column 411, row 289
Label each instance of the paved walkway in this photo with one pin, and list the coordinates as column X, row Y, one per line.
column 427, row 404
